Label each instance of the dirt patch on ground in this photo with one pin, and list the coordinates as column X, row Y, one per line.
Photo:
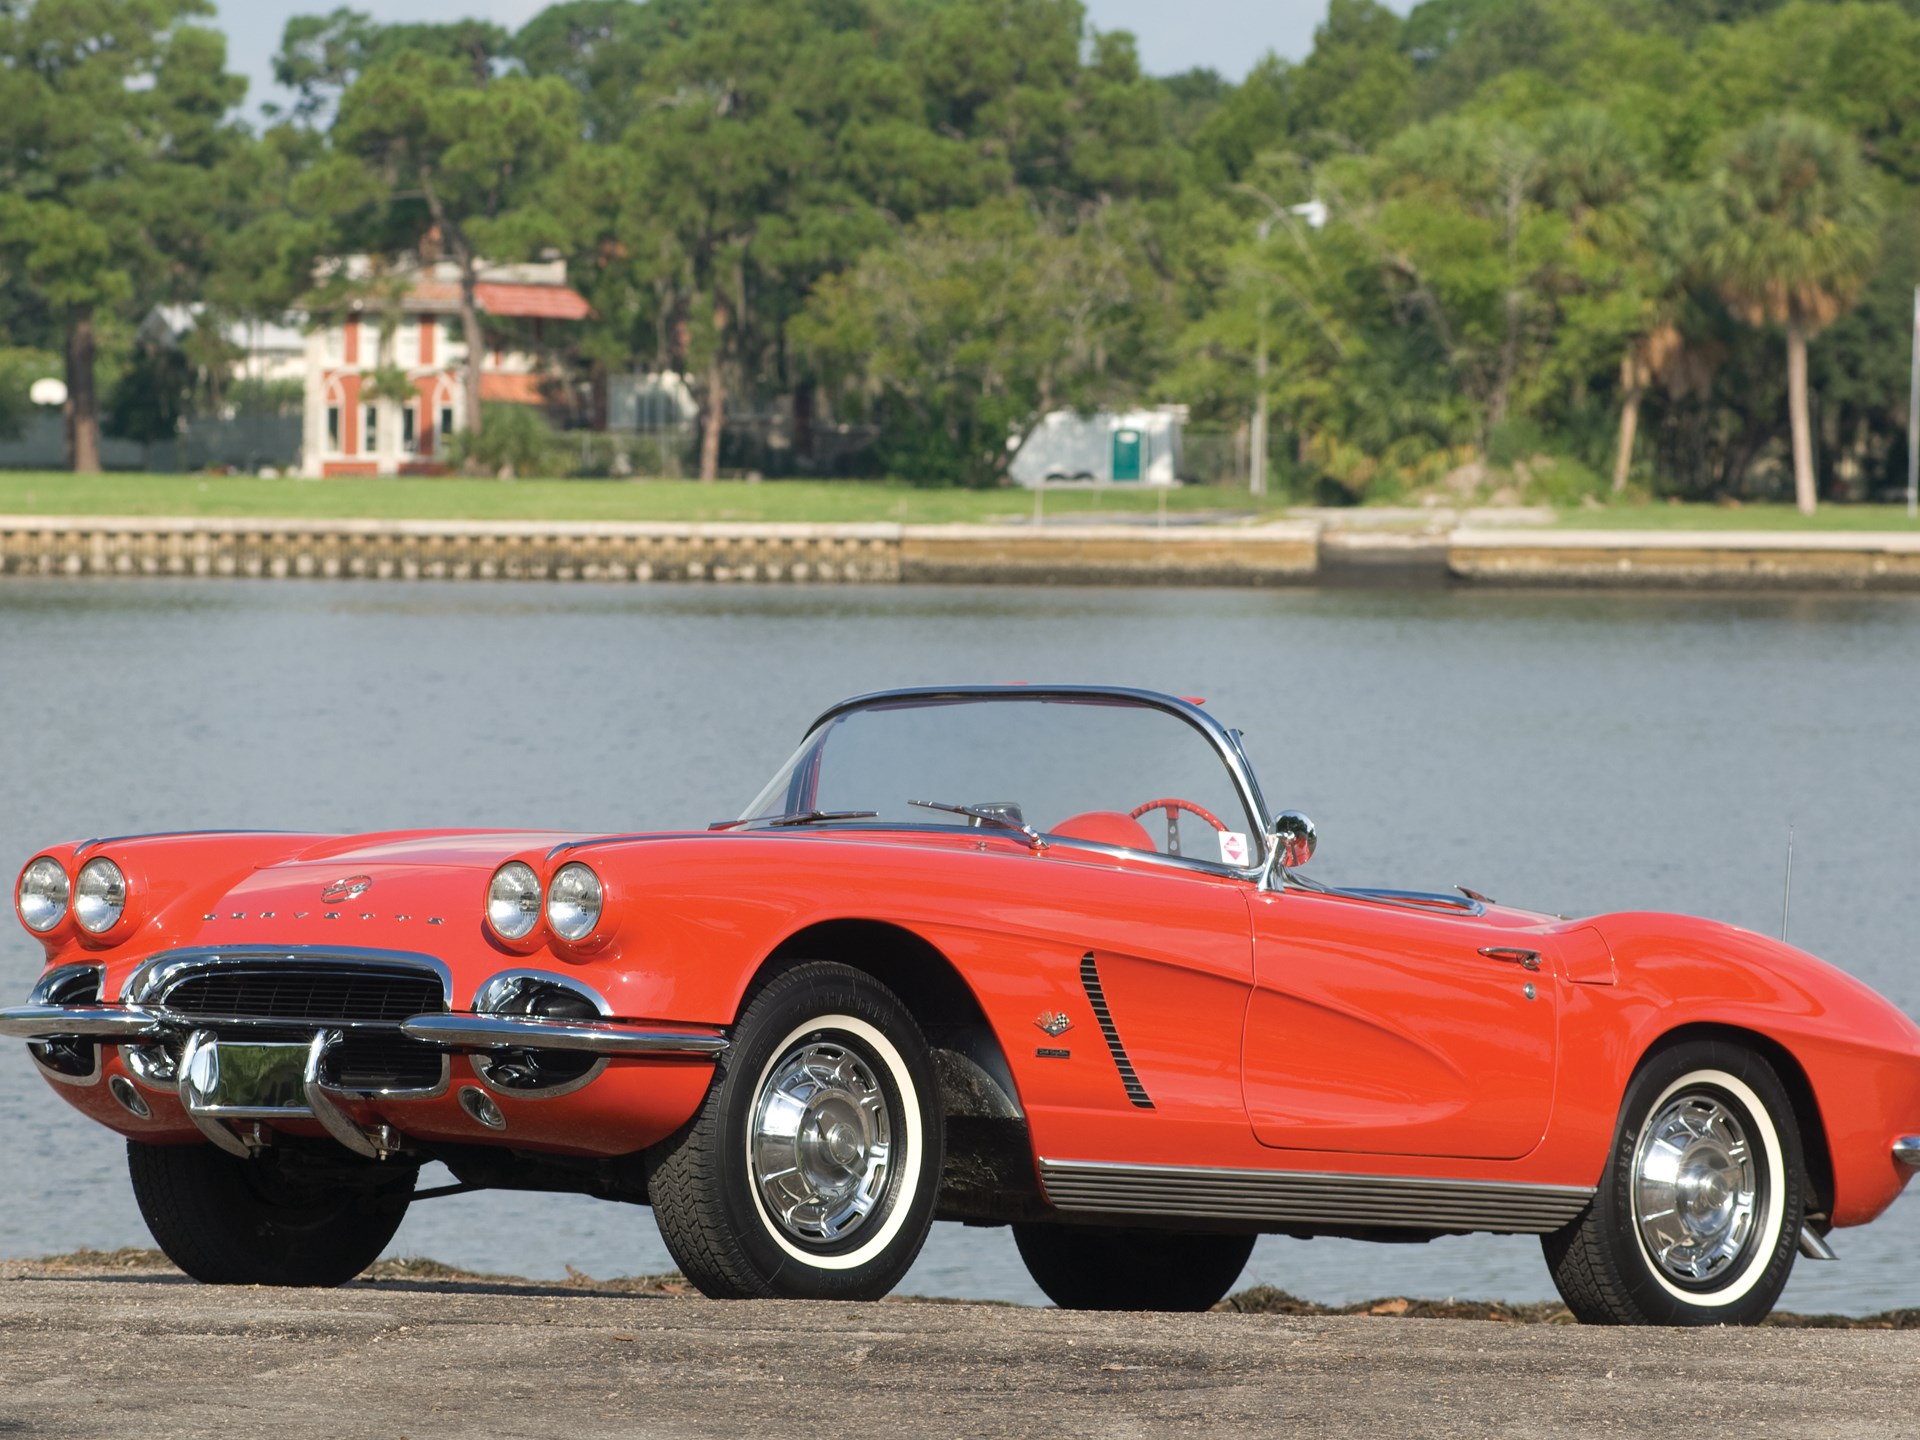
column 1258, row 1300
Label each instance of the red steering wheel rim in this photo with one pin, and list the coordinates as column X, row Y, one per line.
column 1170, row 803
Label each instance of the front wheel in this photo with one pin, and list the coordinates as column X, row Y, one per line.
column 265, row 1221
column 1697, row 1219
column 811, row 1171
column 1103, row 1267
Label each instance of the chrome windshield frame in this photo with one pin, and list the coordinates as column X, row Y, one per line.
column 1225, row 742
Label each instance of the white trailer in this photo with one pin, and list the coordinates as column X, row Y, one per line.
column 1108, row 447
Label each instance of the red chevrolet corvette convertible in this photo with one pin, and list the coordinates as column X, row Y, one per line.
column 1010, row 955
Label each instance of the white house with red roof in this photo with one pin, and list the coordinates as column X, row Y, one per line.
column 415, row 329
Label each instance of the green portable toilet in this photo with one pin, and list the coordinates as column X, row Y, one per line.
column 1126, row 455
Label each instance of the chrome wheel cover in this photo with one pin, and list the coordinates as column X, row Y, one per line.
column 821, row 1147
column 1696, row 1189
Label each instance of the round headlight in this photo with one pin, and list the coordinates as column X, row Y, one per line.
column 99, row 896
column 42, row 897
column 513, row 900
column 573, row 902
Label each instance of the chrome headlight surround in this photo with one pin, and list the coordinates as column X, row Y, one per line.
column 575, row 899
column 99, row 896
column 43, row 894
column 513, row 900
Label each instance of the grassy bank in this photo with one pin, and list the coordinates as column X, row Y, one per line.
column 825, row 502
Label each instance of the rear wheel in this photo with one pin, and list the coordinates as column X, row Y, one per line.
column 812, row 1168
column 1697, row 1219
column 1100, row 1267
column 228, row 1221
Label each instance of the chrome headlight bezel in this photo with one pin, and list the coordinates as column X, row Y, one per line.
column 99, row 896
column 44, row 894
column 514, row 901
column 575, row 902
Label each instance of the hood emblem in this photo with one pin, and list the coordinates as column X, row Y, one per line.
column 346, row 889
column 1054, row 1024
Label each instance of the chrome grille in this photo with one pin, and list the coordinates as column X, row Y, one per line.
column 365, row 1001
column 307, row 994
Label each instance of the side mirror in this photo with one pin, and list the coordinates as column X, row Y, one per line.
column 1292, row 840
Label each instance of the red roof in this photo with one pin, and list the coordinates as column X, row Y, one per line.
column 544, row 302
column 511, row 389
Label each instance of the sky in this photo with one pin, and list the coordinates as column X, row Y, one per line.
column 1224, row 35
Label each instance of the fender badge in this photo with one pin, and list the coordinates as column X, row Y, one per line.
column 346, row 889
column 1055, row 1023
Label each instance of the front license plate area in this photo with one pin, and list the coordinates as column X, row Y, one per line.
column 247, row 1077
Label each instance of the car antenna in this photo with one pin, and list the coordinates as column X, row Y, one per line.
column 1786, row 894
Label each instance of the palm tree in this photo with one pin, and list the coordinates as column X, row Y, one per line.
column 1793, row 232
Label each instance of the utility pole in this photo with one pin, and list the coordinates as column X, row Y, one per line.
column 1257, row 469
column 1913, row 418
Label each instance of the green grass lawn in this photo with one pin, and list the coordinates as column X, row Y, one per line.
column 1737, row 517
column 829, row 501
column 24, row 493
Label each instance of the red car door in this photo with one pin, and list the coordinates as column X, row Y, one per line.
column 1379, row 1028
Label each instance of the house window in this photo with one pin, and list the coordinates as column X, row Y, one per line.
column 333, row 429
column 446, row 420
column 410, row 429
column 370, row 437
column 406, row 344
column 336, row 344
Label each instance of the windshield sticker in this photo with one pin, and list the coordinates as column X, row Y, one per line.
column 1233, row 848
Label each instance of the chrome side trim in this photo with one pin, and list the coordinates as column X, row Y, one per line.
column 1291, row 1197
column 1907, row 1150
column 502, row 1032
column 159, row 972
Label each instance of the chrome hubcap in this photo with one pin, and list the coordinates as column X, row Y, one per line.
column 822, row 1143
column 1695, row 1188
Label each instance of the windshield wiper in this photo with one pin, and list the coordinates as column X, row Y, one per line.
column 985, row 817
column 797, row 817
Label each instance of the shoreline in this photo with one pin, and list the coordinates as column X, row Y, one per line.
column 1289, row 553
column 1254, row 1300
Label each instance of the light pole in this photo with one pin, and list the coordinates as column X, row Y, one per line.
column 1913, row 417
column 1314, row 213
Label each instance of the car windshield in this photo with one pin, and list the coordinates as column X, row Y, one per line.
column 1108, row 770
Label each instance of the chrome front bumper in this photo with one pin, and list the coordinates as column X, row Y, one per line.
column 1906, row 1150
column 450, row 1032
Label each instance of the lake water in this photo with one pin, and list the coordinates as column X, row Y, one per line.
column 1571, row 753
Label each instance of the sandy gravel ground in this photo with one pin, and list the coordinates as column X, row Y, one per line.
column 96, row 1351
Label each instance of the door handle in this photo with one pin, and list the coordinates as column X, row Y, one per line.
column 1527, row 959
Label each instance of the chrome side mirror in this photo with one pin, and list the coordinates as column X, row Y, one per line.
column 1292, row 840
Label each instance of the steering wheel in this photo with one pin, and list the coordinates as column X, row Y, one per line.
column 1173, row 807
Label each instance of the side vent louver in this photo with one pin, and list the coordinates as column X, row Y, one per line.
column 1097, row 998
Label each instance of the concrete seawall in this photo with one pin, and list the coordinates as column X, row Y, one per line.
column 1688, row 560
column 606, row 550
column 1284, row 553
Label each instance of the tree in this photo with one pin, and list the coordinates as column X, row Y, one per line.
column 322, row 55
column 1793, row 232
column 428, row 154
column 116, row 128
column 975, row 324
